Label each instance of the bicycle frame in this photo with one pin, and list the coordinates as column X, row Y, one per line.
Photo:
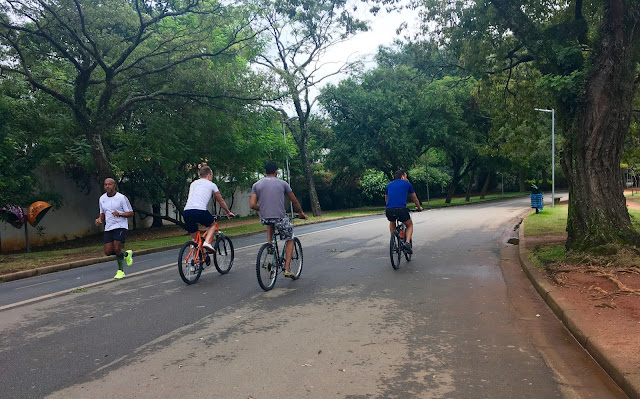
column 199, row 256
column 193, row 257
column 271, row 260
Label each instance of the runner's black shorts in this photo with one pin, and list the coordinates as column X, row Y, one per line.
column 401, row 214
column 115, row 235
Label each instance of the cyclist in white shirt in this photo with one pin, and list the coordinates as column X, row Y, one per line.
column 195, row 211
column 115, row 208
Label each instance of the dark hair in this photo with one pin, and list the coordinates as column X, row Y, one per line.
column 271, row 167
column 399, row 174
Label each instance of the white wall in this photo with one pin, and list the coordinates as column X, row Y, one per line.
column 77, row 215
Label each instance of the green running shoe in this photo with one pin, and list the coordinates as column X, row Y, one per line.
column 129, row 257
column 119, row 274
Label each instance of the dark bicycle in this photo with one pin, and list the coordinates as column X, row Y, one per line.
column 270, row 261
column 194, row 258
column 396, row 245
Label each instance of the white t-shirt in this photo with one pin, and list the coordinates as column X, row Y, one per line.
column 118, row 203
column 200, row 192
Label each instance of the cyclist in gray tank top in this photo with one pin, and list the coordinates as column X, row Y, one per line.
column 267, row 197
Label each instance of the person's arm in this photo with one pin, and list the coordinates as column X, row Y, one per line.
column 100, row 219
column 253, row 202
column 126, row 205
column 296, row 204
column 414, row 198
column 223, row 204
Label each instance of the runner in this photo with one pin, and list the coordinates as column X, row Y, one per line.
column 114, row 211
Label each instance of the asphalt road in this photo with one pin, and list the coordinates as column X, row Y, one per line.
column 442, row 326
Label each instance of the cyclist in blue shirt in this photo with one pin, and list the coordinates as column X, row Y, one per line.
column 395, row 196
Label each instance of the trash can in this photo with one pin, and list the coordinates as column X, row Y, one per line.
column 536, row 202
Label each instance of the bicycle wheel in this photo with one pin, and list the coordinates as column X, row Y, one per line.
column 394, row 250
column 188, row 267
column 296, row 259
column 266, row 267
column 223, row 257
column 407, row 255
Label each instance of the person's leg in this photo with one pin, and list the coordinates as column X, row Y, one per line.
column 392, row 227
column 210, row 233
column 270, row 230
column 108, row 248
column 117, row 251
column 409, row 231
column 205, row 218
column 288, row 254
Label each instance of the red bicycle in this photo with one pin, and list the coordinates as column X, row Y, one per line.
column 194, row 258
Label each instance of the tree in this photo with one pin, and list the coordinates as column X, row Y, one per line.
column 301, row 32
column 456, row 125
column 589, row 54
column 104, row 59
column 376, row 121
column 30, row 128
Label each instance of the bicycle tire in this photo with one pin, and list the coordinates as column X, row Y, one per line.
column 266, row 267
column 296, row 259
column 395, row 251
column 189, row 269
column 223, row 257
column 407, row 255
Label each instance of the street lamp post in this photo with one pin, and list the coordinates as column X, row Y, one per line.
column 553, row 153
column 284, row 136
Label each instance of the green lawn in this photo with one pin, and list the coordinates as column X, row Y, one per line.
column 554, row 221
column 440, row 202
column 550, row 220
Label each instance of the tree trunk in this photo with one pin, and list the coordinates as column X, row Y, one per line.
column 99, row 154
column 522, row 186
column 308, row 175
column 455, row 178
column 485, row 186
column 591, row 161
column 157, row 222
column 468, row 197
column 302, row 142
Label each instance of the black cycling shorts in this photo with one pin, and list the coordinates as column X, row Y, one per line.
column 401, row 214
column 194, row 216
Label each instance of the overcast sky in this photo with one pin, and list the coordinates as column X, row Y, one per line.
column 365, row 45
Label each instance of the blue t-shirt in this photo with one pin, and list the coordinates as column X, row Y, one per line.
column 397, row 192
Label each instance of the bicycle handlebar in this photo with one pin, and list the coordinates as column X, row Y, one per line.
column 221, row 217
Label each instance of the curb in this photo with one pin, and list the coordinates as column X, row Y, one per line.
column 72, row 265
column 627, row 379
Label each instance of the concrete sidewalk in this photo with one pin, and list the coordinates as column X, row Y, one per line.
column 621, row 370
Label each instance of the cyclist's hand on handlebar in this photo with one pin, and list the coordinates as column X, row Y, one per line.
column 301, row 215
column 230, row 215
column 419, row 209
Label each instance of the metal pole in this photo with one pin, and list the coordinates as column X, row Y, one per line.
column 426, row 157
column 553, row 153
column 553, row 160
column 284, row 136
